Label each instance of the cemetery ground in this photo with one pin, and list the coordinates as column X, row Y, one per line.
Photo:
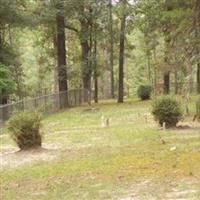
column 132, row 158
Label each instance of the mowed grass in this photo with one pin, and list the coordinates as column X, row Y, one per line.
column 125, row 160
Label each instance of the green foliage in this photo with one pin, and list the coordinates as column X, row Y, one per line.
column 6, row 82
column 14, row 12
column 24, row 128
column 144, row 92
column 167, row 110
column 157, row 32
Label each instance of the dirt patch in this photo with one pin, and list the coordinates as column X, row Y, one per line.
column 90, row 110
column 12, row 157
column 184, row 126
column 188, row 125
column 185, row 189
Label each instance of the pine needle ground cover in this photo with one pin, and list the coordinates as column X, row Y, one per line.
column 131, row 159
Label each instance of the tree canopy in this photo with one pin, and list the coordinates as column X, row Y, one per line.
column 107, row 47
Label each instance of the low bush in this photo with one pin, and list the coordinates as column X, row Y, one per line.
column 167, row 110
column 144, row 92
column 24, row 129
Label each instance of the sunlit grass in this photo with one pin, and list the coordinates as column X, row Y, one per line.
column 107, row 163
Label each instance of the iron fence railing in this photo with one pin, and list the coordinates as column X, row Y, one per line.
column 54, row 102
column 46, row 104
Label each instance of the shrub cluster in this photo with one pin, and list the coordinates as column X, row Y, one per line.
column 144, row 92
column 24, row 129
column 167, row 110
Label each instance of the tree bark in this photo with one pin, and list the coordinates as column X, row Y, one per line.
column 4, row 97
column 4, row 101
column 198, row 78
column 166, row 82
column 111, row 49
column 167, row 31
column 176, row 82
column 155, row 72
column 61, row 60
column 190, row 84
column 149, row 67
column 86, row 68
column 121, row 59
column 56, row 84
column 96, row 98
column 197, row 32
column 86, row 72
column 95, row 73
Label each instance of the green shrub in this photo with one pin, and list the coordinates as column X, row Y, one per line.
column 167, row 110
column 144, row 92
column 24, row 129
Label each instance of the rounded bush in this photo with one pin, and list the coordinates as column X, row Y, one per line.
column 24, row 129
column 167, row 110
column 144, row 92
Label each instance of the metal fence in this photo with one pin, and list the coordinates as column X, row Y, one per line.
column 54, row 102
column 46, row 104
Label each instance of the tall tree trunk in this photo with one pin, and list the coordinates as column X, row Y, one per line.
column 198, row 78
column 111, row 49
column 121, row 59
column 3, row 97
column 190, row 72
column 176, row 81
column 167, row 31
column 86, row 71
column 61, row 59
column 148, row 55
column 197, row 32
column 149, row 67
column 95, row 73
column 166, row 82
column 56, row 84
column 4, row 101
column 86, row 67
column 155, row 72
column 166, row 75
column 95, row 63
column 96, row 98
column 18, row 80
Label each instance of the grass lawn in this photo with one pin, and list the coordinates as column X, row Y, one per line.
column 126, row 160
